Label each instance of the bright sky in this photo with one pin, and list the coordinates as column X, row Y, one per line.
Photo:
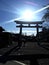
column 13, row 9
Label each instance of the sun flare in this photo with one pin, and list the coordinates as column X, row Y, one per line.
column 27, row 15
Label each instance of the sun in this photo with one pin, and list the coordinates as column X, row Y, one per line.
column 27, row 15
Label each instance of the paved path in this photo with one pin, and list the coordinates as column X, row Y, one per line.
column 30, row 48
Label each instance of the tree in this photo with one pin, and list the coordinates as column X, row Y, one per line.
column 1, row 29
column 46, row 16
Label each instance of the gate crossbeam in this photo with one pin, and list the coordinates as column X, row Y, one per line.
column 37, row 26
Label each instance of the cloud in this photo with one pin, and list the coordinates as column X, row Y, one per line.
column 31, row 3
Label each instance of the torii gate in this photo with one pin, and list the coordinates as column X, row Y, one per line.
column 34, row 57
column 37, row 26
